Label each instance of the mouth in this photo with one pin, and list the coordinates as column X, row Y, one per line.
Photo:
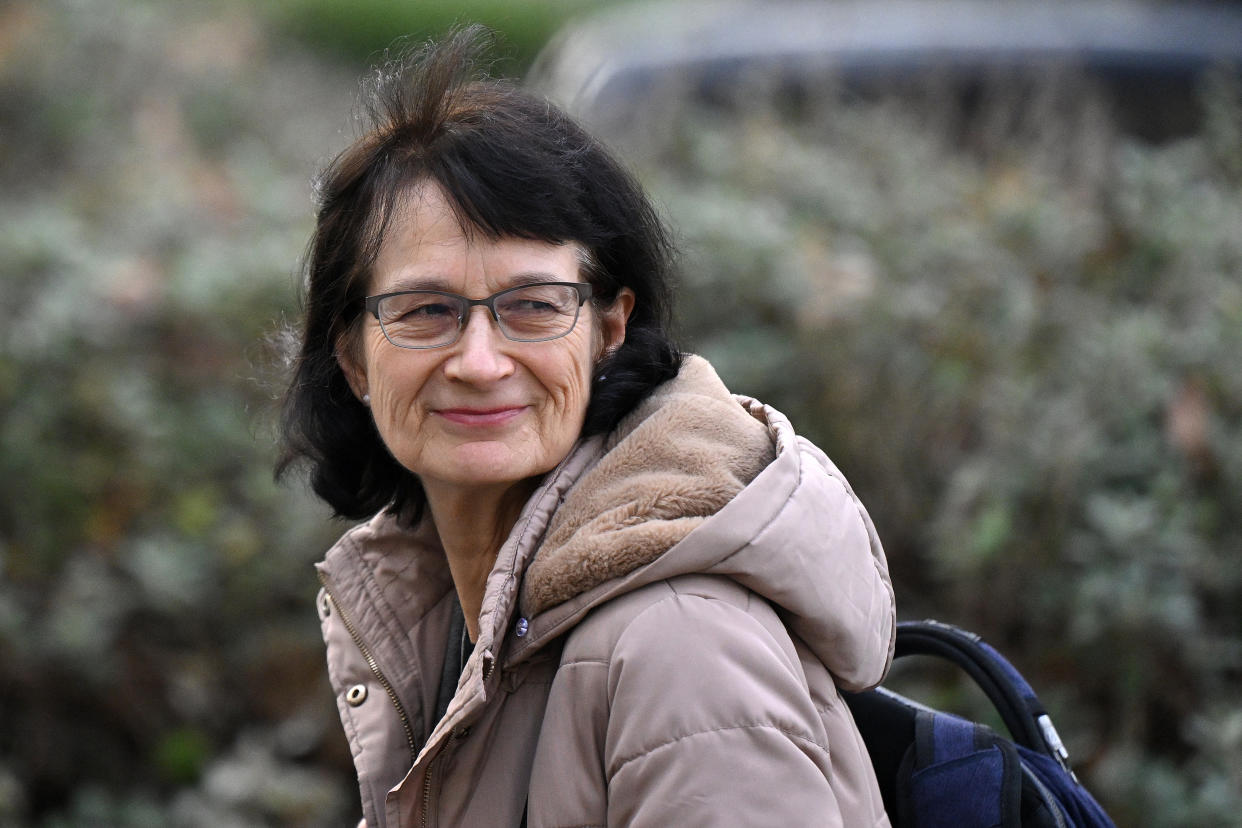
column 481, row 417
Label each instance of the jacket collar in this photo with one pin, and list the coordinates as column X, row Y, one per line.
column 672, row 463
column 700, row 481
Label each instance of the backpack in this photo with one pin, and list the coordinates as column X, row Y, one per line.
column 937, row 769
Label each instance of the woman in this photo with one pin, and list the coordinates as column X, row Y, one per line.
column 593, row 587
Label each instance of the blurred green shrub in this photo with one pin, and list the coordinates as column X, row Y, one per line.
column 359, row 30
column 1019, row 334
column 156, row 628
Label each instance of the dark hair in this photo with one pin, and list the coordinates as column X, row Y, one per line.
column 511, row 165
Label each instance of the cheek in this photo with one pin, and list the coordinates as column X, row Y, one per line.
column 389, row 414
column 578, row 393
column 394, row 386
column 572, row 394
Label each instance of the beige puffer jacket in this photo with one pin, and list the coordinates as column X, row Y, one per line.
column 661, row 639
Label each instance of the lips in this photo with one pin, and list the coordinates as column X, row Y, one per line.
column 481, row 417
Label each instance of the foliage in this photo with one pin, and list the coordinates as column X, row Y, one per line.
column 358, row 30
column 1021, row 354
column 162, row 661
column 1017, row 330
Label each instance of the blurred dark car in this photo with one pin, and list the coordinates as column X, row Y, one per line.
column 1146, row 57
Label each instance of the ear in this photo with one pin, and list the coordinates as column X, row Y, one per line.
column 355, row 370
column 613, row 319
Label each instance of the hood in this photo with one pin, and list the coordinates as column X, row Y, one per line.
column 697, row 480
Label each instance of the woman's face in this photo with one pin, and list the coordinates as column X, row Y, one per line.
column 485, row 411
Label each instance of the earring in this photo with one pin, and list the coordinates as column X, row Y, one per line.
column 366, row 399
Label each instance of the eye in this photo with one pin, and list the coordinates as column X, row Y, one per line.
column 429, row 309
column 528, row 305
column 413, row 308
column 538, row 300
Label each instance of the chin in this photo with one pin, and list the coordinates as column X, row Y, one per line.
column 491, row 465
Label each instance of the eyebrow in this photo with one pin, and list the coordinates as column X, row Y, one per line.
column 443, row 284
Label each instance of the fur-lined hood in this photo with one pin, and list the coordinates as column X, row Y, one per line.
column 698, row 480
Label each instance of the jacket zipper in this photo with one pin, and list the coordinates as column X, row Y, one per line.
column 375, row 670
column 431, row 766
column 429, row 778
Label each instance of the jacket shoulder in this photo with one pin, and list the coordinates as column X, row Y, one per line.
column 598, row 634
column 677, row 685
column 704, row 642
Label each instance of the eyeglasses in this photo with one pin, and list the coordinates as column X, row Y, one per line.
column 434, row 318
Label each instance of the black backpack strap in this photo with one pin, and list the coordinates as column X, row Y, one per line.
column 1024, row 716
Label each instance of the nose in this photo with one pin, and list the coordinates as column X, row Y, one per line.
column 478, row 357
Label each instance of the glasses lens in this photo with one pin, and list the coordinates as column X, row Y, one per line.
column 537, row 312
column 420, row 319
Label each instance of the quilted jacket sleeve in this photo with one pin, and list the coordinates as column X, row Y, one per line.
column 699, row 716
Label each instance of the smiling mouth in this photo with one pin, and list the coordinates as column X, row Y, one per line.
column 481, row 416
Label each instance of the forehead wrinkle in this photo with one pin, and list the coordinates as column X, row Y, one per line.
column 446, row 284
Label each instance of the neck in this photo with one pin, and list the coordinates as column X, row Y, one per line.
column 472, row 524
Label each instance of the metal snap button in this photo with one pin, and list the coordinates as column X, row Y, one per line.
column 356, row 695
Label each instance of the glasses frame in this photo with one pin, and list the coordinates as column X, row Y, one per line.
column 584, row 290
